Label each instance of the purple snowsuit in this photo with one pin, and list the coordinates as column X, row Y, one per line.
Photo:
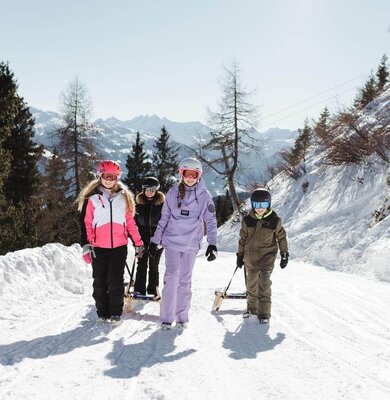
column 180, row 231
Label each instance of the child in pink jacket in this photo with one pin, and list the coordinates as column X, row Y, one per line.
column 107, row 220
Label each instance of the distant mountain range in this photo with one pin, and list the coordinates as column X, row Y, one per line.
column 115, row 139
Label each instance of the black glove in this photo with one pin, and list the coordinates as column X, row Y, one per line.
column 210, row 252
column 240, row 261
column 152, row 249
column 284, row 259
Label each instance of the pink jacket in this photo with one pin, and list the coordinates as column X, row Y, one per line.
column 107, row 223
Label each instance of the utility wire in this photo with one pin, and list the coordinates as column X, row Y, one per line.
column 307, row 108
column 314, row 96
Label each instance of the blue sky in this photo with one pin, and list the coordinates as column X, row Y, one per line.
column 165, row 57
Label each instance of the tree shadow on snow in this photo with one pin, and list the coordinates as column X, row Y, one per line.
column 64, row 342
column 249, row 339
column 128, row 359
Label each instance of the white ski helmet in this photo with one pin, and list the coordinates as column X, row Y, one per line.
column 190, row 164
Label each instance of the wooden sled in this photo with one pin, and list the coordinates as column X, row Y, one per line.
column 220, row 295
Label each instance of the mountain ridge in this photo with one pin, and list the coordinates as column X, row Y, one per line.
column 115, row 139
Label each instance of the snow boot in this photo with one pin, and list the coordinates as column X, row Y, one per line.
column 165, row 326
column 116, row 320
column 247, row 314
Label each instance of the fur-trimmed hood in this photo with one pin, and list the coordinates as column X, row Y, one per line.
column 158, row 199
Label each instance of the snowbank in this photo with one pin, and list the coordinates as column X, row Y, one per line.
column 26, row 272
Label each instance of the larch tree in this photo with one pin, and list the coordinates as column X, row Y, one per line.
column 232, row 127
column 75, row 140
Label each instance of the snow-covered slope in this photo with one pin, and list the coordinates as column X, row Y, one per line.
column 332, row 223
column 329, row 337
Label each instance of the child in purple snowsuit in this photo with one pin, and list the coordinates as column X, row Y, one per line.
column 187, row 209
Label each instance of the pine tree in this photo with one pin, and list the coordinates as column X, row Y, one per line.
column 8, row 107
column 367, row 94
column 223, row 208
column 165, row 163
column 382, row 74
column 218, row 209
column 322, row 128
column 138, row 166
column 19, row 176
column 303, row 142
column 295, row 159
column 24, row 176
column 59, row 220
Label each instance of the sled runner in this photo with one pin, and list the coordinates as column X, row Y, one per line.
column 223, row 294
column 130, row 297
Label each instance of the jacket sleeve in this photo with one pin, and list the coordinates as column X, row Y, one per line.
column 210, row 220
column 163, row 222
column 83, row 231
column 242, row 239
column 281, row 237
column 88, row 218
column 133, row 230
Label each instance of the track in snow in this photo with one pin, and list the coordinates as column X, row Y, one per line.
column 328, row 338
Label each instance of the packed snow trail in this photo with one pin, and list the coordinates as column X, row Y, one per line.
column 329, row 338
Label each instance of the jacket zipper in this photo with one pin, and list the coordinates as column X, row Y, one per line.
column 112, row 236
column 150, row 222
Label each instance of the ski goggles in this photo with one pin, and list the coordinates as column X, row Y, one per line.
column 109, row 177
column 150, row 188
column 190, row 173
column 260, row 204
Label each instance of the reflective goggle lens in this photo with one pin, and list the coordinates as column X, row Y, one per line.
column 150, row 188
column 109, row 177
column 188, row 173
column 260, row 204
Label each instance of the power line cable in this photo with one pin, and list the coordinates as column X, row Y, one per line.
column 307, row 108
column 314, row 96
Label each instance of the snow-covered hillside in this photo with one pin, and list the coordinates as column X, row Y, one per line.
column 331, row 222
column 329, row 337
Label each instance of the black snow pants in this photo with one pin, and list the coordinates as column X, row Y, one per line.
column 142, row 268
column 108, row 268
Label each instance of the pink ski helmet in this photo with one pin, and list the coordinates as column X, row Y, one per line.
column 109, row 167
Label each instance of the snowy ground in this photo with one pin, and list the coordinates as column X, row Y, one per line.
column 329, row 338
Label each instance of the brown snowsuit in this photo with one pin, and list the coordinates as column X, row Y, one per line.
column 258, row 244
